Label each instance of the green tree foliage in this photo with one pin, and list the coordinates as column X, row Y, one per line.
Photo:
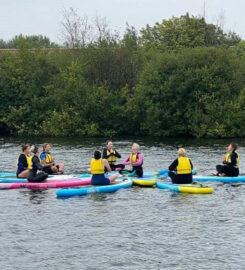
column 186, row 31
column 191, row 93
column 130, row 38
column 33, row 41
column 174, row 80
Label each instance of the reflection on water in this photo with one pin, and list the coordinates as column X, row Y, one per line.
column 136, row 228
column 36, row 196
column 99, row 196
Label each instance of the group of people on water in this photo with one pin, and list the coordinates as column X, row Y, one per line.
column 180, row 170
column 107, row 163
column 36, row 166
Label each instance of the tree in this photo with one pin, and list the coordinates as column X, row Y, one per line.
column 194, row 92
column 34, row 41
column 130, row 38
column 75, row 30
column 103, row 36
column 185, row 31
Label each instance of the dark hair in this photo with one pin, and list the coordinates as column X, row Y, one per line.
column 97, row 154
column 108, row 142
column 34, row 149
column 24, row 147
column 234, row 146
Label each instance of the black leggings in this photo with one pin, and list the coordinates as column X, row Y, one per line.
column 180, row 178
column 36, row 178
column 227, row 170
column 116, row 166
column 139, row 171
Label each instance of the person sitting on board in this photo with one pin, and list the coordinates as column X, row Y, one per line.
column 135, row 159
column 48, row 161
column 24, row 162
column 36, row 174
column 180, row 171
column 97, row 169
column 231, row 162
column 111, row 155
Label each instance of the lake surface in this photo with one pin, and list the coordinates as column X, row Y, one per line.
column 136, row 228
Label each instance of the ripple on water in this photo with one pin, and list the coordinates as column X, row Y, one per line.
column 137, row 228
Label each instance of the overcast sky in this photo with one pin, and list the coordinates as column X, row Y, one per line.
column 34, row 17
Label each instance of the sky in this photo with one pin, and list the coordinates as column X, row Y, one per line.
column 44, row 17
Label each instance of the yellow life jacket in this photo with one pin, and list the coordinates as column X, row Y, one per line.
column 29, row 161
column 133, row 157
column 228, row 159
column 96, row 166
column 48, row 158
column 184, row 165
column 111, row 159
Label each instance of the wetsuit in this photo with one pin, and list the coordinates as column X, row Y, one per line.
column 97, row 170
column 32, row 175
column 180, row 171
column 137, row 161
column 231, row 165
column 22, row 164
column 111, row 158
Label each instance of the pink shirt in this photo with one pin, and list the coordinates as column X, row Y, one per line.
column 137, row 163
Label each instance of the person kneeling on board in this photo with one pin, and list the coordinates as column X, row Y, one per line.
column 36, row 174
column 231, row 162
column 180, row 171
column 97, row 168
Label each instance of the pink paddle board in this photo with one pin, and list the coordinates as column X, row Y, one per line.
column 72, row 182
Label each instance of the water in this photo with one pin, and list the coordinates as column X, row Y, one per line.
column 136, row 228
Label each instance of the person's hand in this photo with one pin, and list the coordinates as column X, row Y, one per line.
column 223, row 158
